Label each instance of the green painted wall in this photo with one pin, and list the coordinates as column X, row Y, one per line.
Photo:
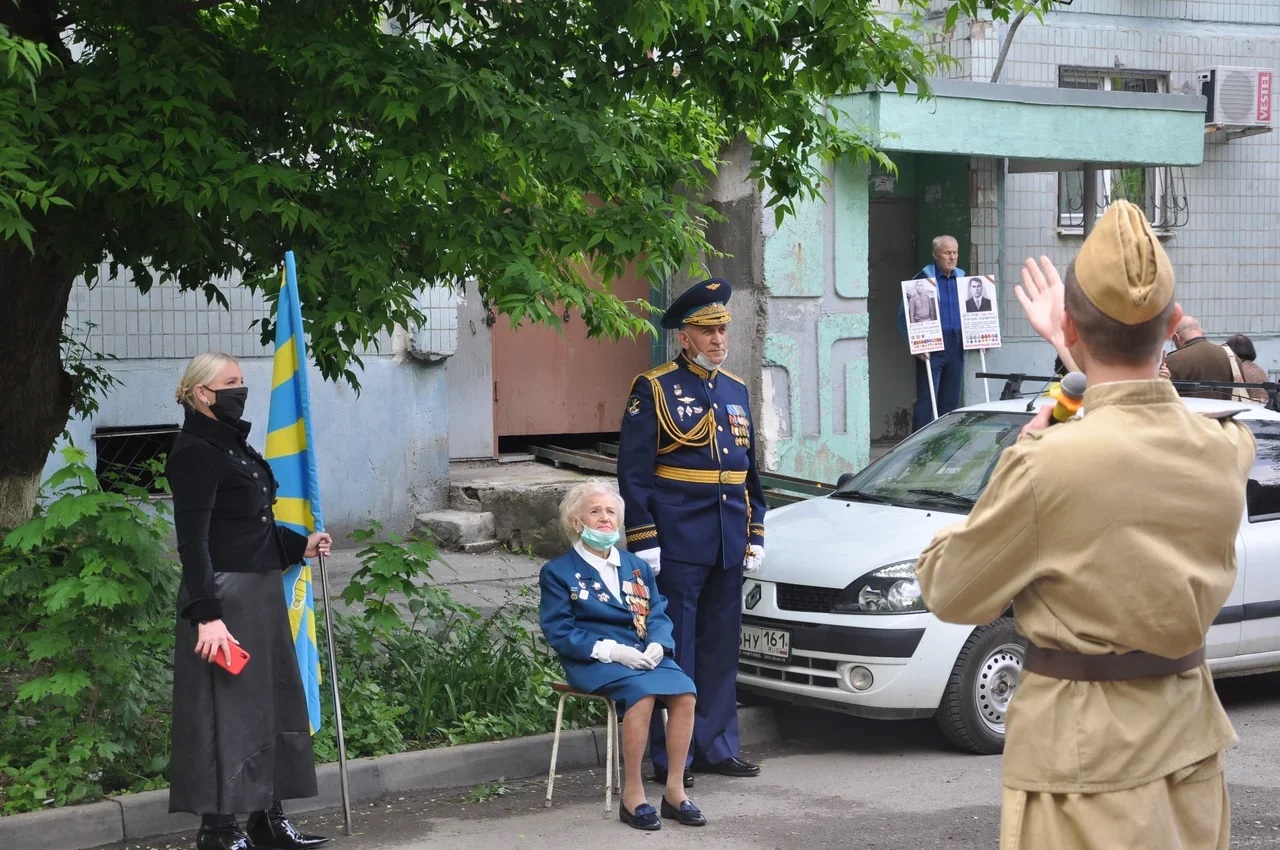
column 942, row 204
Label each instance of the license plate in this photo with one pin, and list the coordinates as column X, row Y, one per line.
column 758, row 642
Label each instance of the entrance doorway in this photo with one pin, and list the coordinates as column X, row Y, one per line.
column 892, row 260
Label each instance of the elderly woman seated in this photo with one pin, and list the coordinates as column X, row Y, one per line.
column 602, row 612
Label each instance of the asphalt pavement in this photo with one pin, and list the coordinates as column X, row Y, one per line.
column 833, row 782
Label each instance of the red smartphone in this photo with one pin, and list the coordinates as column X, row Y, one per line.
column 239, row 658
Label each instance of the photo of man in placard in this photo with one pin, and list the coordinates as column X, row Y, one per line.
column 979, row 315
column 920, row 309
column 979, row 297
column 922, row 302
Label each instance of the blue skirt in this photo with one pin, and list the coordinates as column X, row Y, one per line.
column 665, row 680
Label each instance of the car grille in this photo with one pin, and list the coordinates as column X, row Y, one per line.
column 800, row 597
column 799, row 669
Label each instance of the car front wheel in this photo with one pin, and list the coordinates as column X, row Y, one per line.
column 983, row 681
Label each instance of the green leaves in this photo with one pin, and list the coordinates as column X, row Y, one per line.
column 539, row 149
column 87, row 594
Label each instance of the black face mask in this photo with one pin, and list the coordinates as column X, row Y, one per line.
column 228, row 404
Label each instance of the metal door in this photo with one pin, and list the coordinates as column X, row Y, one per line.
column 549, row 382
column 469, row 377
column 893, row 374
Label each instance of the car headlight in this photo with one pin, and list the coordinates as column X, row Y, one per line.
column 889, row 590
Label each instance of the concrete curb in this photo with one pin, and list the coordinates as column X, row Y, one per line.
column 136, row 816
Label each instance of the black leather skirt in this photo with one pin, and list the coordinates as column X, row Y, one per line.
column 240, row 742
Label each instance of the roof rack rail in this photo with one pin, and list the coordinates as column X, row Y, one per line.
column 1013, row 385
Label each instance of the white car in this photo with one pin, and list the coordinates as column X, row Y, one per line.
column 834, row 619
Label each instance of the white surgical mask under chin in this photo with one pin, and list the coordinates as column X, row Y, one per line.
column 701, row 359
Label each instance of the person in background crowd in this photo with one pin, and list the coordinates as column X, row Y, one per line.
column 948, row 364
column 695, row 512
column 602, row 613
column 1241, row 349
column 1197, row 359
column 1115, row 737
column 241, row 743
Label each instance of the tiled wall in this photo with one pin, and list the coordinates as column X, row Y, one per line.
column 167, row 323
column 1225, row 255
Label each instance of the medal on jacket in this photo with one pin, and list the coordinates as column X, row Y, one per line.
column 637, row 599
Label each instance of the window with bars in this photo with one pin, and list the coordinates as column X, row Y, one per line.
column 131, row 456
column 1159, row 191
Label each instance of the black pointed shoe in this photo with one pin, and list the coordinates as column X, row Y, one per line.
column 229, row 837
column 731, row 767
column 660, row 776
column 644, row 817
column 688, row 814
column 271, row 830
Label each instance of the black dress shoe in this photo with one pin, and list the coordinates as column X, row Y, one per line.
column 229, row 837
column 660, row 777
column 271, row 830
column 644, row 817
column 732, row 767
column 688, row 814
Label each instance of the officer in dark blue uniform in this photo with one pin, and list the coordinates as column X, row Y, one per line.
column 695, row 513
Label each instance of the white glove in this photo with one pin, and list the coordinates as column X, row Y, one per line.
column 755, row 559
column 652, row 557
column 654, row 653
column 630, row 657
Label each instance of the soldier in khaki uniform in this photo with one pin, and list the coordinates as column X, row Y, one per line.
column 1114, row 538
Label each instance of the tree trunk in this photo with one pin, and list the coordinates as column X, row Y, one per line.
column 35, row 391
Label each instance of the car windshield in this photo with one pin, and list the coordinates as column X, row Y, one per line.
column 944, row 466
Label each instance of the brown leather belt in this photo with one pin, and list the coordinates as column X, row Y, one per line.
column 1079, row 667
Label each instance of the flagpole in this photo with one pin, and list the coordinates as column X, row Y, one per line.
column 337, row 701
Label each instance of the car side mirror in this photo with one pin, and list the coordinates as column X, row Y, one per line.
column 844, row 479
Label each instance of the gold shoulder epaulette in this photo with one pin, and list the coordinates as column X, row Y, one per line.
column 658, row 371
column 732, row 376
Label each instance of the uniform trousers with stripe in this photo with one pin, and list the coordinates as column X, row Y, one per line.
column 704, row 604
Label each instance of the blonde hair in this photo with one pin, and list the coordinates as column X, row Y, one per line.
column 202, row 369
column 572, row 503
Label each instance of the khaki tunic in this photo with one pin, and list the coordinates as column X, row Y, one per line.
column 1112, row 533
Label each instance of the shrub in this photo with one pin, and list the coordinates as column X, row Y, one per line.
column 87, row 593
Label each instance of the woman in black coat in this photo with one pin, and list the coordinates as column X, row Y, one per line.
column 241, row 743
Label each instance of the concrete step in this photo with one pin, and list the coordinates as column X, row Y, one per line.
column 456, row 530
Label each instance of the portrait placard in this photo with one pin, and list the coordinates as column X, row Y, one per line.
column 920, row 304
column 979, row 315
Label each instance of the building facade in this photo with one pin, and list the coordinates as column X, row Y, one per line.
column 1103, row 94
column 383, row 452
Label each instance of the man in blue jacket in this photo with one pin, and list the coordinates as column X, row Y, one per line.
column 695, row 513
column 948, row 364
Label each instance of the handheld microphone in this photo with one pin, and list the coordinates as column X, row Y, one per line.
column 1069, row 394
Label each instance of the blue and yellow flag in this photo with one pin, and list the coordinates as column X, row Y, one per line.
column 291, row 453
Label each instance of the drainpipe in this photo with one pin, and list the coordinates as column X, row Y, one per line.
column 1090, row 212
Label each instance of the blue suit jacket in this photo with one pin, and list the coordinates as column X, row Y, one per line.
column 687, row 465
column 572, row 624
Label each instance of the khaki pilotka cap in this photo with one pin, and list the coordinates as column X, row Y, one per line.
column 1122, row 267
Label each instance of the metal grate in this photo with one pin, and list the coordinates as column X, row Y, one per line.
column 799, row 670
column 131, row 456
column 799, row 597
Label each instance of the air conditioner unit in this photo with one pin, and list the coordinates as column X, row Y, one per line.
column 1238, row 97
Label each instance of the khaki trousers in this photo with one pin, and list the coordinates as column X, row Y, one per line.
column 1187, row 810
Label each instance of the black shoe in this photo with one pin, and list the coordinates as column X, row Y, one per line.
column 688, row 814
column 731, row 767
column 644, row 817
column 271, row 830
column 229, row 837
column 660, row 776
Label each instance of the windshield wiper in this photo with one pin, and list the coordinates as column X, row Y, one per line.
column 944, row 496
column 860, row 496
